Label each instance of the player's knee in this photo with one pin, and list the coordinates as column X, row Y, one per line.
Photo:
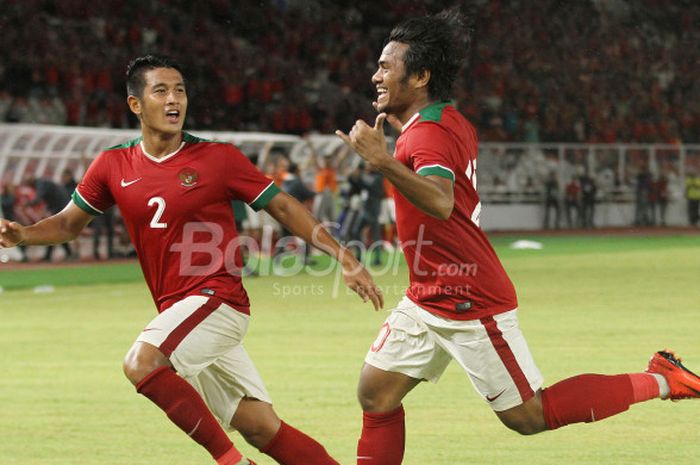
column 139, row 363
column 373, row 401
column 132, row 369
column 256, row 421
column 258, row 434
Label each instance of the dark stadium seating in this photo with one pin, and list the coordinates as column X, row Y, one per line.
column 540, row 71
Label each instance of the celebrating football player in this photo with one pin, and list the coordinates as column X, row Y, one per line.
column 173, row 188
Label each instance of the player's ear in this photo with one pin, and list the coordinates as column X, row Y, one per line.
column 134, row 104
column 422, row 78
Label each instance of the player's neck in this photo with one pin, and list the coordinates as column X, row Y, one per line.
column 414, row 108
column 158, row 144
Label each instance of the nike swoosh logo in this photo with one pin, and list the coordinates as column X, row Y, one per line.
column 150, row 329
column 127, row 184
column 491, row 399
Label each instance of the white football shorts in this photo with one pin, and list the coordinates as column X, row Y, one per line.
column 492, row 351
column 202, row 337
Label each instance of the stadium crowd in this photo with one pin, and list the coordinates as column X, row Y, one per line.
column 550, row 70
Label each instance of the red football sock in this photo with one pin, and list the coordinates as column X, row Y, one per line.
column 587, row 398
column 645, row 386
column 383, row 438
column 185, row 407
column 292, row 447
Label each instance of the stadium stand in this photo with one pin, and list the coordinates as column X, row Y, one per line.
column 291, row 66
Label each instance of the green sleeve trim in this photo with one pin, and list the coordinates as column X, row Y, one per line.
column 437, row 170
column 265, row 196
column 84, row 205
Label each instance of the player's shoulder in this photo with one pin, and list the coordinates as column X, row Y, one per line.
column 429, row 124
column 124, row 146
column 116, row 152
column 442, row 114
column 443, row 120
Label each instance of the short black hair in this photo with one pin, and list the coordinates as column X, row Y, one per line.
column 438, row 43
column 135, row 81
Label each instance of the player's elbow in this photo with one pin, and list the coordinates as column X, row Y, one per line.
column 443, row 209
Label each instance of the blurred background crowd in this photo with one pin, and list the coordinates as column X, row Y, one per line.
column 547, row 70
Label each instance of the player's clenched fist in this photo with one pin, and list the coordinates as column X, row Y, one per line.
column 11, row 233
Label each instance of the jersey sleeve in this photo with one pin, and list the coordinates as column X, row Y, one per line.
column 431, row 151
column 244, row 181
column 93, row 194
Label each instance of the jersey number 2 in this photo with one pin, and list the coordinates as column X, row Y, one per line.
column 155, row 221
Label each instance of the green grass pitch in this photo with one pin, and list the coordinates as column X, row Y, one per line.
column 587, row 304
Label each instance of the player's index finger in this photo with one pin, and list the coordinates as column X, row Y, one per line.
column 343, row 136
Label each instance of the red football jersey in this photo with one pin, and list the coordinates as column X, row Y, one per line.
column 178, row 212
column 454, row 271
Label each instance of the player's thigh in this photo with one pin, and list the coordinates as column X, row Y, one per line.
column 195, row 332
column 405, row 345
column 226, row 382
column 494, row 353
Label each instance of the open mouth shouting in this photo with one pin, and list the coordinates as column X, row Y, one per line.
column 173, row 116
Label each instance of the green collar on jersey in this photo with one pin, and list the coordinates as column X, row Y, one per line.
column 186, row 136
column 433, row 112
column 127, row 144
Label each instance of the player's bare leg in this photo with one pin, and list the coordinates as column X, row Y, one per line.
column 261, row 427
column 256, row 421
column 527, row 418
column 154, row 377
column 383, row 435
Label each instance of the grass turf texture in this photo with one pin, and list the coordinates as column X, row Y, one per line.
column 588, row 304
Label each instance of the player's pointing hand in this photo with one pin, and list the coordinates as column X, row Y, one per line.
column 368, row 141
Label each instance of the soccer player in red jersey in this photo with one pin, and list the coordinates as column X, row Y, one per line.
column 460, row 303
column 174, row 192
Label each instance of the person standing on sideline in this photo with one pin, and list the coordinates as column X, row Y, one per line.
column 551, row 200
column 293, row 185
column 660, row 191
column 572, row 203
column 643, row 210
column 173, row 188
column 470, row 316
column 54, row 197
column 588, row 197
column 692, row 195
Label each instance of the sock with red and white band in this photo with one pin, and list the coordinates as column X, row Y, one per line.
column 383, row 438
column 292, row 447
column 589, row 397
column 185, row 407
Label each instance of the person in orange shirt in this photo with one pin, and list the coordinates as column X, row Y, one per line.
column 326, row 182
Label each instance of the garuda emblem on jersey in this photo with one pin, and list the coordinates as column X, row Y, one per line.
column 188, row 177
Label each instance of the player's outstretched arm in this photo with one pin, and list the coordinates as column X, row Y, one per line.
column 432, row 194
column 297, row 219
column 61, row 227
